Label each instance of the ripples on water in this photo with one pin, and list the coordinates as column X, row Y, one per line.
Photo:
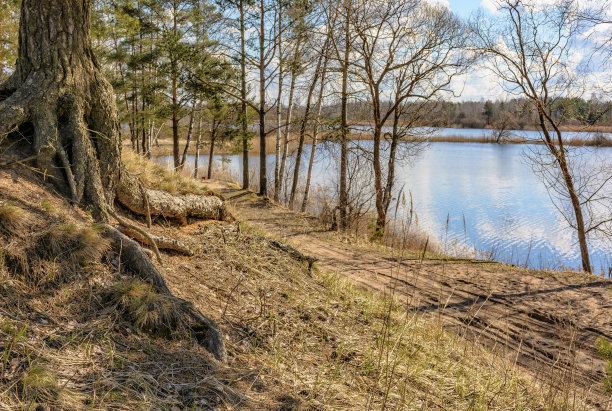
column 493, row 201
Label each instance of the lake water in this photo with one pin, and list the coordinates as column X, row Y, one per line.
column 488, row 193
column 475, row 133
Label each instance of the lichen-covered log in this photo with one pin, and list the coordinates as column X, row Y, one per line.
column 181, row 206
column 136, row 261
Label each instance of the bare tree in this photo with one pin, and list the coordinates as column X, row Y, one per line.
column 316, row 125
column 529, row 48
column 297, row 39
column 305, row 121
column 342, row 39
column 279, row 105
column 408, row 50
column 596, row 19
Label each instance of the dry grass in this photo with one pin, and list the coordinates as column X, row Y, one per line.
column 73, row 245
column 328, row 344
column 66, row 346
column 295, row 338
column 157, row 176
column 11, row 218
column 146, row 309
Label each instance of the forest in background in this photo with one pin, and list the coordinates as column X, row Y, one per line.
column 149, row 56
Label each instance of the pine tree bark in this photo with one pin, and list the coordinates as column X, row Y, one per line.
column 59, row 89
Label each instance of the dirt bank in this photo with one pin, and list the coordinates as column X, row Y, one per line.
column 548, row 322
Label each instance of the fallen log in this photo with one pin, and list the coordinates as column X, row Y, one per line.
column 161, row 203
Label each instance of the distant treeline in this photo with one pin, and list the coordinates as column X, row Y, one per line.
column 515, row 114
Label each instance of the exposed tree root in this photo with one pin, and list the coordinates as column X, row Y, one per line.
column 162, row 243
column 293, row 253
column 130, row 194
column 135, row 260
column 151, row 241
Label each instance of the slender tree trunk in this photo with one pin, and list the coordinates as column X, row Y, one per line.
column 582, row 240
column 559, row 154
column 189, row 135
column 381, row 215
column 281, row 172
column 263, row 177
column 303, row 125
column 175, row 126
column 387, row 193
column 198, row 143
column 243, row 107
column 134, row 120
column 279, row 105
column 343, row 203
column 211, row 155
column 315, row 133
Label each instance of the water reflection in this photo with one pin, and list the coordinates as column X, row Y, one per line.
column 490, row 195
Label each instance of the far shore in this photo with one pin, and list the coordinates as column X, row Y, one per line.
column 225, row 148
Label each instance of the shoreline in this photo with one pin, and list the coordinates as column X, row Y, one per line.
column 165, row 147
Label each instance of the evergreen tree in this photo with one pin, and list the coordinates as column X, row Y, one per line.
column 9, row 30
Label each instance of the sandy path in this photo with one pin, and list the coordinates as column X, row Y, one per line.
column 547, row 322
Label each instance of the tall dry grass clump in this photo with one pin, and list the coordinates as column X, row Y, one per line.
column 11, row 218
column 71, row 245
column 157, row 176
column 146, row 309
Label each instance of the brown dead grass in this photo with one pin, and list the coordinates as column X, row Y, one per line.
column 147, row 309
column 68, row 347
column 327, row 344
column 11, row 218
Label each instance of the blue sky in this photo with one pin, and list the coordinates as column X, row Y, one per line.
column 463, row 8
column 480, row 84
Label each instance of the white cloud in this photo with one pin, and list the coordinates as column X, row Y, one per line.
column 479, row 83
column 443, row 3
column 490, row 5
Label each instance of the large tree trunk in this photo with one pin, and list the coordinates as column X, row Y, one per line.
column 59, row 89
column 145, row 201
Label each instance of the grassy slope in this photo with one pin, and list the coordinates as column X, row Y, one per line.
column 76, row 329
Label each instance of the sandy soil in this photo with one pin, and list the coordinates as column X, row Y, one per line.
column 548, row 322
